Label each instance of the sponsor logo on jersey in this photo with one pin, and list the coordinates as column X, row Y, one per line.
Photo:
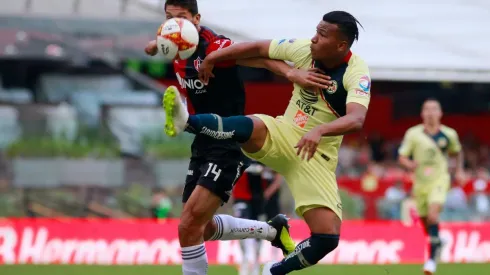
column 281, row 41
column 190, row 172
column 332, row 88
column 301, row 119
column 197, row 63
column 361, row 93
column 306, row 108
column 365, row 83
column 189, row 83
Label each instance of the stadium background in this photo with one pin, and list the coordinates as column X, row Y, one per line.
column 84, row 161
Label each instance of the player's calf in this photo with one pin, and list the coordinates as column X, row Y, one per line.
column 325, row 227
column 307, row 253
column 435, row 242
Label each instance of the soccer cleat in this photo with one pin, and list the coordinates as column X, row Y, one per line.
column 282, row 240
column 176, row 114
column 430, row 267
column 267, row 268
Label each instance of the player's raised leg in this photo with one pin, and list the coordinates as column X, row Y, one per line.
column 250, row 131
column 324, row 225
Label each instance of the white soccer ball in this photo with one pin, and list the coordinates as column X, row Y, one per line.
column 177, row 38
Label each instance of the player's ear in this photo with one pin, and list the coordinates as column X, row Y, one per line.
column 343, row 46
column 196, row 19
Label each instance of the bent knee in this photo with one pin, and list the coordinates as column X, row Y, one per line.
column 258, row 137
column 191, row 221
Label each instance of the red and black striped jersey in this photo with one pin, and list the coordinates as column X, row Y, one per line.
column 224, row 95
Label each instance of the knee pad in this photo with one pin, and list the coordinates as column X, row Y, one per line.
column 321, row 245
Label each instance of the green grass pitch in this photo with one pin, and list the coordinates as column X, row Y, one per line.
column 443, row 269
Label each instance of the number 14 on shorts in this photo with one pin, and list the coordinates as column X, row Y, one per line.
column 213, row 169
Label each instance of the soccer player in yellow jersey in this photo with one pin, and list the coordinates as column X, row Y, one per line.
column 424, row 151
column 303, row 144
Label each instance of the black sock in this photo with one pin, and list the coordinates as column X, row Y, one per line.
column 307, row 253
column 435, row 241
column 237, row 128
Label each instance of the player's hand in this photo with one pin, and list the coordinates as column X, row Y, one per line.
column 151, row 48
column 308, row 144
column 311, row 79
column 206, row 70
column 412, row 165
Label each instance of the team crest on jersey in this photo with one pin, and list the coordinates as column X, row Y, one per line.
column 332, row 88
column 442, row 142
column 197, row 63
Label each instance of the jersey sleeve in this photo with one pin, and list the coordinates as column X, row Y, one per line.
column 406, row 148
column 357, row 83
column 293, row 50
column 218, row 44
column 454, row 144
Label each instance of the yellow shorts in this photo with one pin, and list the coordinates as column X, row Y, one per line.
column 313, row 184
column 430, row 193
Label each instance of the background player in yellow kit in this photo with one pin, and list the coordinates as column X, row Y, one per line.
column 424, row 150
column 303, row 144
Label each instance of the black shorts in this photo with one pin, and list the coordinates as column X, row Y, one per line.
column 218, row 176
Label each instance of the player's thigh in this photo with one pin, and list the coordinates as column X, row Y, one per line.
column 220, row 176
column 193, row 175
column 313, row 184
column 437, row 198
column 420, row 195
column 277, row 149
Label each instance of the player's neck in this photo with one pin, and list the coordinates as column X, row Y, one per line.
column 432, row 128
column 337, row 61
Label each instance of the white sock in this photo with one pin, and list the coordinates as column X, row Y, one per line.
column 231, row 228
column 194, row 260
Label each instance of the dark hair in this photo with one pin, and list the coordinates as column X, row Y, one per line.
column 190, row 5
column 346, row 22
column 432, row 99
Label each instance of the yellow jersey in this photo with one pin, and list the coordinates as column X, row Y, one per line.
column 430, row 152
column 351, row 83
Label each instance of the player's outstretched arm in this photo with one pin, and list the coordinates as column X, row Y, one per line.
column 310, row 79
column 233, row 52
column 240, row 51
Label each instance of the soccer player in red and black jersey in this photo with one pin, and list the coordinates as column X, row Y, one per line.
column 255, row 193
column 216, row 164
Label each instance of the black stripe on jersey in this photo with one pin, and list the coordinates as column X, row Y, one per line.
column 441, row 140
column 336, row 96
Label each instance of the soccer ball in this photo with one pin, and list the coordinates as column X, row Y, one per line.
column 177, row 38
